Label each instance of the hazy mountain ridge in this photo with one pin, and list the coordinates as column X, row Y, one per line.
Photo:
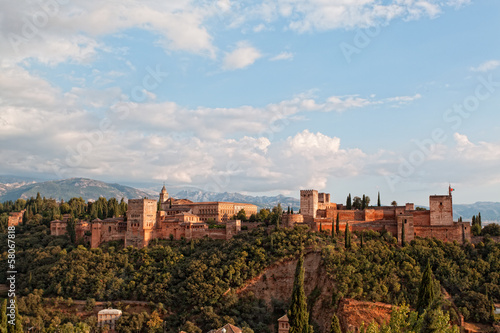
column 490, row 211
column 260, row 201
column 74, row 187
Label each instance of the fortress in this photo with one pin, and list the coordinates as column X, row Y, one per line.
column 319, row 213
column 181, row 218
column 176, row 219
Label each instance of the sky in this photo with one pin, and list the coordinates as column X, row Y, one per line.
column 399, row 97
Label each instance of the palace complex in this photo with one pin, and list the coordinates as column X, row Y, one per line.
column 182, row 218
column 320, row 214
column 176, row 219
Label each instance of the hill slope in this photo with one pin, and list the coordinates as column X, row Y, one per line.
column 74, row 187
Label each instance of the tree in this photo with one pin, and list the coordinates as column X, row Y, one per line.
column 242, row 215
column 190, row 327
column 291, row 211
column 403, row 233
column 347, row 236
column 348, row 204
column 363, row 203
column 426, row 290
column 367, row 201
column 357, row 202
column 335, row 327
column 71, row 229
column 394, row 203
column 337, row 226
column 3, row 318
column 491, row 229
column 299, row 316
column 18, row 326
column 154, row 322
column 378, row 199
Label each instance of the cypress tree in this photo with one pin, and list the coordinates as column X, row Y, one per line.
column 347, row 236
column 71, row 229
column 363, row 204
column 337, row 227
column 479, row 220
column 362, row 233
column 473, row 219
column 403, row 234
column 349, row 202
column 378, row 199
column 426, row 292
column 288, row 212
column 335, row 327
column 299, row 316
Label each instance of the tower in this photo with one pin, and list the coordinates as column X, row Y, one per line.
column 163, row 195
column 309, row 202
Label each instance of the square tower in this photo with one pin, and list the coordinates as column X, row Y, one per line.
column 441, row 210
column 309, row 203
column 141, row 219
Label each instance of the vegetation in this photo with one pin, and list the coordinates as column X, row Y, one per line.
column 299, row 316
column 194, row 280
column 403, row 320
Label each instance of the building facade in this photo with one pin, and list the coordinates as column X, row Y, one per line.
column 404, row 222
column 108, row 317
column 176, row 219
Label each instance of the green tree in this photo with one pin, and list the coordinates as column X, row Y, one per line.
column 403, row 233
column 426, row 290
column 347, row 236
column 348, row 204
column 335, row 327
column 242, row 215
column 378, row 199
column 337, row 226
column 299, row 316
column 357, row 202
column 71, row 229
column 363, row 203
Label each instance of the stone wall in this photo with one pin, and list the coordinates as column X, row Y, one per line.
column 16, row 218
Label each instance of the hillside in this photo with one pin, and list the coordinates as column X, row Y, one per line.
column 69, row 188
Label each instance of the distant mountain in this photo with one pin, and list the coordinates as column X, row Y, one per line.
column 260, row 201
column 490, row 211
column 74, row 187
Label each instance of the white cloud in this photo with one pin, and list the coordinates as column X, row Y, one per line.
column 70, row 31
column 477, row 153
column 486, row 66
column 243, row 56
column 283, row 56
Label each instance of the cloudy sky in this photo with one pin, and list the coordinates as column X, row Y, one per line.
column 360, row 96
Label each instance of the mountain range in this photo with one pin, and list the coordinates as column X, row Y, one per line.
column 13, row 188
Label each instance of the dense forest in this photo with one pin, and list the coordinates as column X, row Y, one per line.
column 190, row 284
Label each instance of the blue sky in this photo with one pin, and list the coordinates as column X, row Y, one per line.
column 264, row 97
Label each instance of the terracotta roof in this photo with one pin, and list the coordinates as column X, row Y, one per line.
column 229, row 329
column 284, row 318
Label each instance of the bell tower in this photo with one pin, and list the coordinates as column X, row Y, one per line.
column 163, row 195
